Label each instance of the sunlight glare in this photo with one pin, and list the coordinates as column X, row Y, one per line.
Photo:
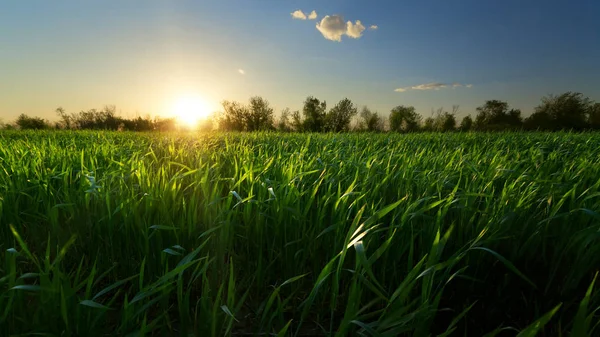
column 190, row 110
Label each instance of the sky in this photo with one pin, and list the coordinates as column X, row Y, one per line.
column 144, row 56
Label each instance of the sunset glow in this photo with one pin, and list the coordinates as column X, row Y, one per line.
column 189, row 110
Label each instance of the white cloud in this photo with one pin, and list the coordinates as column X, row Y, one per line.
column 242, row 71
column 333, row 27
column 433, row 86
column 299, row 15
column 355, row 30
column 373, row 27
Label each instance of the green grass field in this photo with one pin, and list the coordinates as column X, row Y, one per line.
column 299, row 235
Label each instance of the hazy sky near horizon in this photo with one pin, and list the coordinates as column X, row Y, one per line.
column 143, row 55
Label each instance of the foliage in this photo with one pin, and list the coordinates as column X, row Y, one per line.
column 594, row 116
column 297, row 123
column 108, row 119
column 404, row 119
column 233, row 117
column 25, row 122
column 495, row 115
column 466, row 124
column 441, row 121
column 306, row 235
column 567, row 111
column 447, row 120
column 105, row 119
column 256, row 116
column 428, row 124
column 66, row 121
column 338, row 118
column 370, row 121
column 314, row 112
column 283, row 124
column 260, row 115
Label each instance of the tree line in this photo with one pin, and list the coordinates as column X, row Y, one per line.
column 93, row 119
column 567, row 111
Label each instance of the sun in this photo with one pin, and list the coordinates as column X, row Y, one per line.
column 190, row 110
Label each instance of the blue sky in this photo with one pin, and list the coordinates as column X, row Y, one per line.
column 142, row 56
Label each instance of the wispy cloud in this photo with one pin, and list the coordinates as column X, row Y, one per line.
column 242, row 71
column 373, row 27
column 300, row 15
column 429, row 86
column 333, row 27
column 432, row 86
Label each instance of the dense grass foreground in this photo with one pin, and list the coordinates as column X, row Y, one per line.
column 378, row 235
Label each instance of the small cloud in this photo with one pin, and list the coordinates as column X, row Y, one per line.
column 312, row 15
column 333, row 27
column 400, row 90
column 469, row 86
column 429, row 86
column 373, row 27
column 355, row 30
column 242, row 71
column 456, row 85
column 299, row 15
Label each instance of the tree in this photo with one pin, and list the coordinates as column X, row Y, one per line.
column 165, row 124
column 256, row 116
column 593, row 118
column 65, row 120
column 515, row 120
column 447, row 122
column 283, row 124
column 466, row 124
column 233, row 118
column 137, row 124
column 25, row 122
column 443, row 121
column 370, row 121
column 339, row 117
column 567, row 111
column 428, row 124
column 404, row 119
column 538, row 121
column 7, row 126
column 495, row 115
column 297, row 123
column 259, row 115
column 105, row 119
column 314, row 115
